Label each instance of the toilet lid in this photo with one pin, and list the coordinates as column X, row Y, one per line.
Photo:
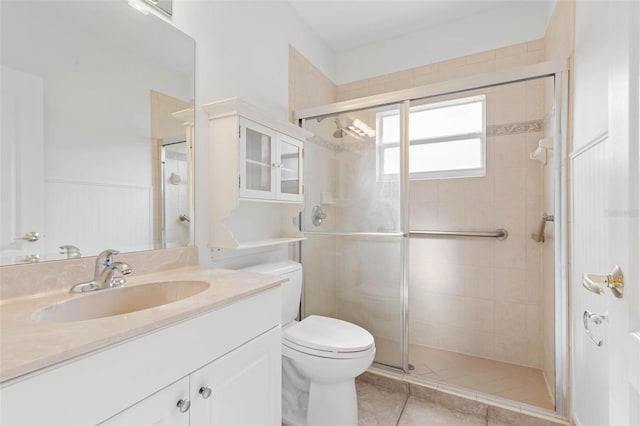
column 329, row 334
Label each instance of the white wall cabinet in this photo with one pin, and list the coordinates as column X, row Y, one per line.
column 270, row 164
column 234, row 350
column 256, row 188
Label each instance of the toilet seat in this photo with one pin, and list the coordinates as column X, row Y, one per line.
column 328, row 338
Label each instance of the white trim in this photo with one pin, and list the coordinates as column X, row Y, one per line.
column 92, row 183
column 594, row 142
column 236, row 106
column 526, row 72
column 562, row 323
column 442, row 173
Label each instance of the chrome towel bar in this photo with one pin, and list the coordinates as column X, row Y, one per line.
column 500, row 234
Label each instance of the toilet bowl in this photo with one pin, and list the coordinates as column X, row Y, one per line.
column 321, row 357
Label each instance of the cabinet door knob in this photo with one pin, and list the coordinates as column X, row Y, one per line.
column 205, row 392
column 30, row 236
column 184, row 405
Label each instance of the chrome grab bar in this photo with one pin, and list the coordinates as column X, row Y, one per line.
column 500, row 234
column 539, row 237
column 357, row 234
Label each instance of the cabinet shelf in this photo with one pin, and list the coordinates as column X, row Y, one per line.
column 268, row 242
column 257, row 163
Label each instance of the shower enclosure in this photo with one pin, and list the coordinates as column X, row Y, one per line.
column 420, row 207
column 175, row 182
column 354, row 256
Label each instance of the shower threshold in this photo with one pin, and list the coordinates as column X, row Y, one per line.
column 523, row 388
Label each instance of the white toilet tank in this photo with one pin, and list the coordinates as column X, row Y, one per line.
column 291, row 290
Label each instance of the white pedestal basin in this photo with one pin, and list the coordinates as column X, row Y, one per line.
column 118, row 301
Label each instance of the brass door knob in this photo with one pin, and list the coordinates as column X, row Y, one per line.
column 598, row 283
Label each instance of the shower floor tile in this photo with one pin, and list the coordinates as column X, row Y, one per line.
column 515, row 382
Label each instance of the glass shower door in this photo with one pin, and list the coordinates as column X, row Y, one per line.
column 354, row 254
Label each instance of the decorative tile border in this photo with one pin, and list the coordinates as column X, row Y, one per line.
column 515, row 128
column 350, row 144
column 341, row 145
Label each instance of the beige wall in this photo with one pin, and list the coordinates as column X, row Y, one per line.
column 484, row 296
column 24, row 280
column 510, row 316
column 308, row 86
column 491, row 60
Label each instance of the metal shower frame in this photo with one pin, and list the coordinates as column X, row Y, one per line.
column 559, row 70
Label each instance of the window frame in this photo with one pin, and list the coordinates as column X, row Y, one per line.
column 436, row 174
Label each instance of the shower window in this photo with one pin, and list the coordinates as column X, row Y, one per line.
column 447, row 139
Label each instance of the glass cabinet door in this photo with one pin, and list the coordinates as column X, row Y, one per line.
column 256, row 162
column 289, row 169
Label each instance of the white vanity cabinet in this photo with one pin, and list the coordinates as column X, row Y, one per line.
column 233, row 390
column 233, row 350
column 256, row 188
column 159, row 409
column 241, row 386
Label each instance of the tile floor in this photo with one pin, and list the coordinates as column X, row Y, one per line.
column 381, row 407
column 384, row 406
column 514, row 382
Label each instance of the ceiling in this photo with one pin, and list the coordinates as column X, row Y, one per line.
column 349, row 24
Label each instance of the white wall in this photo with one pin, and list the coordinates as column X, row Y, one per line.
column 516, row 23
column 242, row 50
column 590, row 79
column 590, row 372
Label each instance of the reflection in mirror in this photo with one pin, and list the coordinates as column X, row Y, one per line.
column 97, row 130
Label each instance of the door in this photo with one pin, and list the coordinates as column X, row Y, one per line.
column 355, row 251
column 257, row 171
column 167, row 407
column 22, row 166
column 289, row 169
column 241, row 388
column 605, row 184
column 623, row 216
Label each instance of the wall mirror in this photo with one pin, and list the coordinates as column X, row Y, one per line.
column 97, row 130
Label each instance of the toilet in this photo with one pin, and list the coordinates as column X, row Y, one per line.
column 321, row 358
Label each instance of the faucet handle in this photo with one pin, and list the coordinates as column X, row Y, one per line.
column 106, row 257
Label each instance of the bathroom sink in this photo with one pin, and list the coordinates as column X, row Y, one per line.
column 118, row 301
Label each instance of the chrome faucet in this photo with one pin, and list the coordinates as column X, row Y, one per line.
column 103, row 273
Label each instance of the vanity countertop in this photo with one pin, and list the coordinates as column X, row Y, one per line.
column 29, row 345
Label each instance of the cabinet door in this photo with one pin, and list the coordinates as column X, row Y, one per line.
column 159, row 409
column 257, row 162
column 241, row 388
column 289, row 169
